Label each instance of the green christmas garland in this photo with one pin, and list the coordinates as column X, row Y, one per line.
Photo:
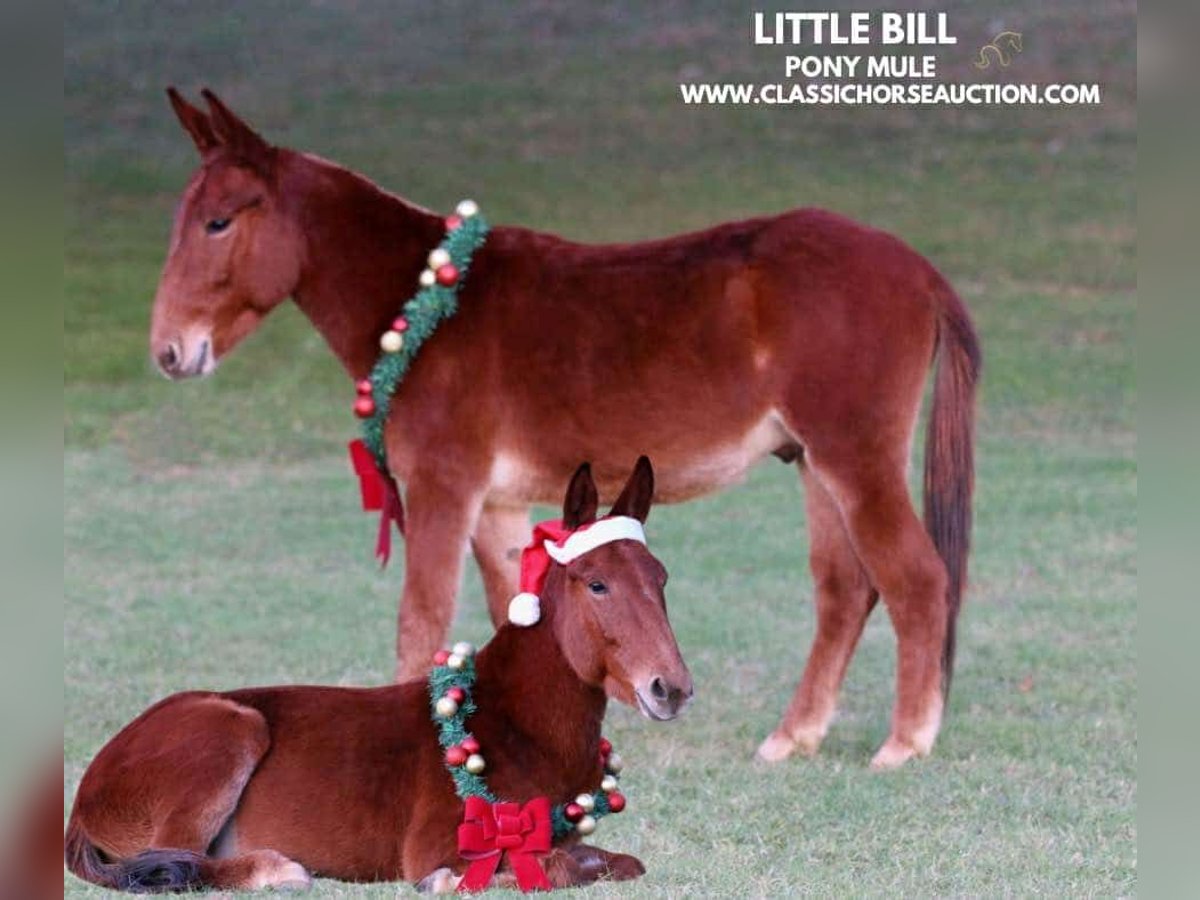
column 450, row 705
column 435, row 301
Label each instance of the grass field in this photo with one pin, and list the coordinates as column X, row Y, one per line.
column 211, row 533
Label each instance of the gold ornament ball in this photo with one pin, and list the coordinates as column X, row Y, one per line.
column 455, row 661
column 446, row 707
column 586, row 825
column 608, row 783
column 427, row 278
column 585, row 802
column 614, row 763
column 438, row 258
column 391, row 342
column 475, row 764
column 467, row 208
column 463, row 649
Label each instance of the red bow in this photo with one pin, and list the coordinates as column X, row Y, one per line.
column 379, row 492
column 489, row 830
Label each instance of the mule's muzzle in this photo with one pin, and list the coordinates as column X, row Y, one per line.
column 176, row 361
column 662, row 699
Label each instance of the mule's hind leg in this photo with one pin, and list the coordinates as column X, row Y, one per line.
column 500, row 534
column 170, row 781
column 843, row 599
column 903, row 564
column 172, row 777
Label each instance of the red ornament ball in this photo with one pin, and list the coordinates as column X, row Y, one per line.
column 439, row 658
column 573, row 812
column 458, row 695
column 616, row 802
column 363, row 387
column 447, row 275
column 400, row 324
column 456, row 755
column 470, row 745
column 364, row 407
column 453, row 222
column 605, row 747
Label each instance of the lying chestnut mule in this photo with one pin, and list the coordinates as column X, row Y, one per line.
column 267, row 786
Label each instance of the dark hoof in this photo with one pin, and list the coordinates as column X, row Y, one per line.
column 600, row 865
column 623, row 867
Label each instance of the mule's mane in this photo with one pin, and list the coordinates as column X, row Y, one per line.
column 636, row 249
column 337, row 171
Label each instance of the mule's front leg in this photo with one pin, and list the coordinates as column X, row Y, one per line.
column 562, row 870
column 440, row 517
column 601, row 865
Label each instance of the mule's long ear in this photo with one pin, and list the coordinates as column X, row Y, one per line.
column 235, row 133
column 194, row 122
column 635, row 499
column 582, row 500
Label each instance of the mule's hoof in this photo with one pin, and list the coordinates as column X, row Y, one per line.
column 892, row 755
column 292, row 877
column 776, row 748
column 274, row 870
column 439, row 881
column 623, row 867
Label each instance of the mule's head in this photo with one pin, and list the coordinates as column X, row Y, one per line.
column 234, row 254
column 610, row 616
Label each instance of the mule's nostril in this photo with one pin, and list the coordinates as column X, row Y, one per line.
column 168, row 357
column 658, row 689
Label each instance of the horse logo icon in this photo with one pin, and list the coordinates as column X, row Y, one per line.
column 1005, row 39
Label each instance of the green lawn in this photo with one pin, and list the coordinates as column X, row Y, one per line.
column 212, row 536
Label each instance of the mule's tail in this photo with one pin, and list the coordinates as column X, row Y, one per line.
column 148, row 872
column 950, row 454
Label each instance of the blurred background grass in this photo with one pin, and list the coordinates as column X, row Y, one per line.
column 210, row 528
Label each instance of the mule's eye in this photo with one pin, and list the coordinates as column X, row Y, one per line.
column 598, row 588
column 216, row 226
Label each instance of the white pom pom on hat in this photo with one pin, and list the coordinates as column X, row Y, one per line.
column 524, row 609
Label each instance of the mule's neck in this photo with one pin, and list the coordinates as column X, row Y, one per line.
column 364, row 249
column 526, row 685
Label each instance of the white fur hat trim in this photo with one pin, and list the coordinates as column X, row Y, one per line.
column 603, row 531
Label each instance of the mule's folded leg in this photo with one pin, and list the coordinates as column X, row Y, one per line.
column 596, row 864
column 254, row 871
column 844, row 599
column 562, row 870
column 158, row 795
column 439, row 881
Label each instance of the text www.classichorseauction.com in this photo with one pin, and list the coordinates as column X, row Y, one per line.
column 894, row 79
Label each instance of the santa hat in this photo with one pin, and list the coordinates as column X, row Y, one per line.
column 554, row 541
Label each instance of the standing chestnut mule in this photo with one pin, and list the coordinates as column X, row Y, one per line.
column 263, row 786
column 804, row 335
